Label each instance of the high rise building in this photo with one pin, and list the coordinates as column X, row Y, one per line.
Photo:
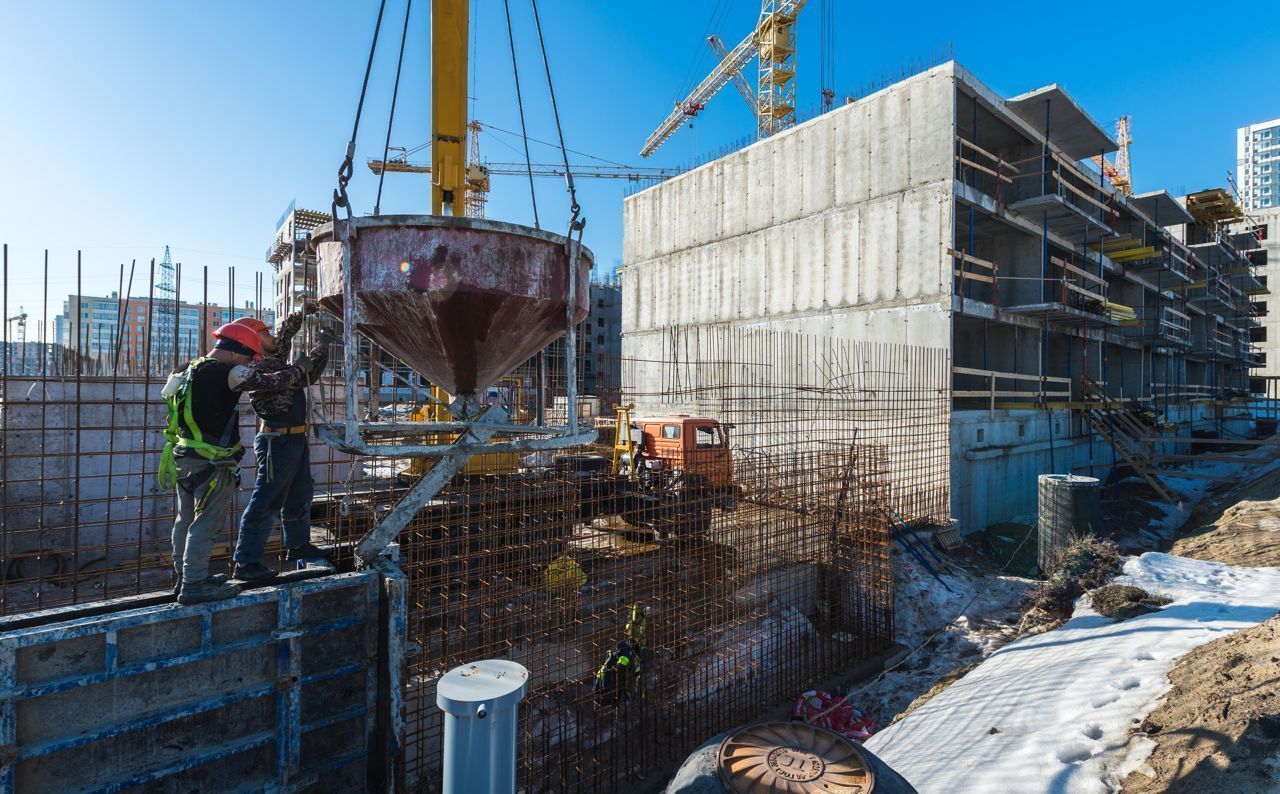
column 95, row 329
column 1258, row 164
column 294, row 263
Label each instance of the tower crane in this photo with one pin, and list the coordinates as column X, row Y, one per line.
column 738, row 78
column 19, row 345
column 1118, row 172
column 478, row 173
column 21, row 319
column 773, row 43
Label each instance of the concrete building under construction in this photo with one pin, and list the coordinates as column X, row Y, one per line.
column 937, row 212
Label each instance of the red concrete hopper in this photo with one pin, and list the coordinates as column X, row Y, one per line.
column 462, row 301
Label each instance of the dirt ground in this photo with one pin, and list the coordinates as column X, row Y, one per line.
column 1219, row 727
column 1239, row 528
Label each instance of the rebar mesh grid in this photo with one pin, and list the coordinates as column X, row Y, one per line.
column 750, row 591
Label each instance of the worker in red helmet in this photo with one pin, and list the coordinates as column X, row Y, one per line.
column 283, row 488
column 202, row 452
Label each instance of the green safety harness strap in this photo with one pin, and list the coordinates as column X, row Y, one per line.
column 180, row 414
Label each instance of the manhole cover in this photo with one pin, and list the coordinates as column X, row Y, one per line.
column 792, row 757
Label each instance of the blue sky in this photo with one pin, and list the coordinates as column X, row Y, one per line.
column 133, row 124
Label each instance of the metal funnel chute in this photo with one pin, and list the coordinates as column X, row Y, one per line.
column 462, row 301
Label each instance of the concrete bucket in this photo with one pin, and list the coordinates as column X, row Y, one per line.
column 462, row 301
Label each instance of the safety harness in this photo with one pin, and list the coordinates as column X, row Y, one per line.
column 177, row 395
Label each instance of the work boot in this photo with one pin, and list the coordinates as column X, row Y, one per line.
column 217, row 578
column 307, row 552
column 253, row 573
column 208, row 590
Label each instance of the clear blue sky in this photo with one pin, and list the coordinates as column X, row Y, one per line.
column 132, row 124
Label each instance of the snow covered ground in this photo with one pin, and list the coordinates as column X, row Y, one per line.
column 1053, row 712
column 921, row 607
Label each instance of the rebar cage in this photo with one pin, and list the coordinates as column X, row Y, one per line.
column 748, row 593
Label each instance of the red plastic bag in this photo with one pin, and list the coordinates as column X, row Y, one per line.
column 836, row 715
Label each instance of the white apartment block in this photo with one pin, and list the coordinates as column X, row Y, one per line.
column 1258, row 164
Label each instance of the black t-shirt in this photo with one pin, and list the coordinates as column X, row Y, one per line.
column 213, row 404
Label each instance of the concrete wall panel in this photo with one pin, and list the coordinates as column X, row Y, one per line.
column 889, row 131
column 879, row 250
column 931, row 144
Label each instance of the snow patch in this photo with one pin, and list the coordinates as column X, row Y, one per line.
column 1062, row 703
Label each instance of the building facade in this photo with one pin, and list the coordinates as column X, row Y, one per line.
column 128, row 332
column 937, row 213
column 1264, row 226
column 288, row 255
column 1258, row 165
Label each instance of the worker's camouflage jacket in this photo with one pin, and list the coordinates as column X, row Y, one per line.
column 278, row 401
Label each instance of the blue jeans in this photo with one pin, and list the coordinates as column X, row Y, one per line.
column 283, row 488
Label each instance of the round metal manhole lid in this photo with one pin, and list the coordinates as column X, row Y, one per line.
column 792, row 757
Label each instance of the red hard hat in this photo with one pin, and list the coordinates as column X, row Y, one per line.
column 253, row 322
column 243, row 334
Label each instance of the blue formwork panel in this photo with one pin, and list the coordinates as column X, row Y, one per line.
column 274, row 690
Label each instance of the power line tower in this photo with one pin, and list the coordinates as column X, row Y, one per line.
column 165, row 317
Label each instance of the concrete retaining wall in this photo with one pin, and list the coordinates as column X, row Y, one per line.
column 275, row 689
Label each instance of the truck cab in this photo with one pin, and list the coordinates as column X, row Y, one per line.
column 696, row 446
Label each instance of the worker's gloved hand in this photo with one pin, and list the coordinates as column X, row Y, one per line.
column 309, row 307
column 303, row 363
column 324, row 338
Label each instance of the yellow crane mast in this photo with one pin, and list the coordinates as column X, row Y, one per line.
column 773, row 42
column 449, row 28
column 1118, row 172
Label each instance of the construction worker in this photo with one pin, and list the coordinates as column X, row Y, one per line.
column 284, row 486
column 621, row 677
column 202, row 454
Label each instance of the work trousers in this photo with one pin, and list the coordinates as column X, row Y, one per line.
column 283, row 488
column 204, row 494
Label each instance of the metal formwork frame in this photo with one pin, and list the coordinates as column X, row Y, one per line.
column 287, row 636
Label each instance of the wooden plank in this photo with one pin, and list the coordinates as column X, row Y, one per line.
column 1083, row 195
column 988, row 393
column 1081, row 290
column 975, row 277
column 980, row 167
column 1065, row 265
column 971, row 259
column 1013, row 375
column 993, row 157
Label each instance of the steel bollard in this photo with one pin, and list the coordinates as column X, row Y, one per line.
column 480, row 703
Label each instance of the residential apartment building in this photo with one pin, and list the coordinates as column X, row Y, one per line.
column 132, row 332
column 1262, row 230
column 294, row 264
column 1258, row 164
column 938, row 213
